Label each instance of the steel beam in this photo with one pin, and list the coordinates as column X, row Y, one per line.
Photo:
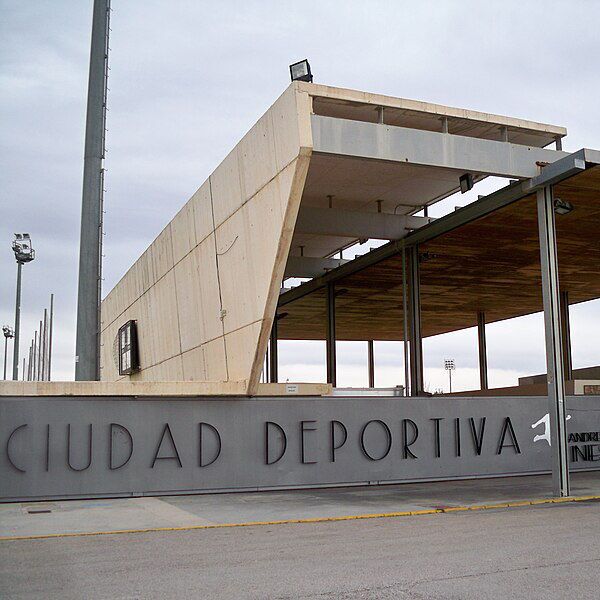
column 371, row 358
column 356, row 224
column 330, row 339
column 416, row 342
column 428, row 148
column 311, row 266
column 483, row 370
column 554, row 351
column 565, row 331
column 273, row 358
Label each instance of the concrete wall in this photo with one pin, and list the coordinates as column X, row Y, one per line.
column 204, row 293
column 84, row 447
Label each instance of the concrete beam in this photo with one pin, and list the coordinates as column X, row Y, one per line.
column 355, row 224
column 428, row 148
column 309, row 266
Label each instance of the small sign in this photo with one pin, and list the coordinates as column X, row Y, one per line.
column 591, row 390
column 291, row 388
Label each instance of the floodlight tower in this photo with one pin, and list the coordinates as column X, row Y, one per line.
column 87, row 349
column 24, row 253
column 450, row 366
column 8, row 334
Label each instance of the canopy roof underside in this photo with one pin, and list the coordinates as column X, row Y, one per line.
column 491, row 264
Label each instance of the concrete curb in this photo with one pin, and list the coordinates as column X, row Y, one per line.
column 410, row 513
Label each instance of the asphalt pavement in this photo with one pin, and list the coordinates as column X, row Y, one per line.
column 547, row 551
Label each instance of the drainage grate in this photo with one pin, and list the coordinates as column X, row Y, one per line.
column 38, row 511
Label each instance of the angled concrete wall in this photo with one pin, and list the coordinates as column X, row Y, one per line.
column 204, row 293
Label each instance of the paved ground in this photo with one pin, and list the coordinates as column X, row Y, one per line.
column 547, row 552
column 80, row 516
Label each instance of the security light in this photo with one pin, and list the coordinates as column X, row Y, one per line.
column 562, row 207
column 8, row 332
column 21, row 246
column 466, row 182
column 300, row 71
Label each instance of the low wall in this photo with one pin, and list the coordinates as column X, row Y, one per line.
column 57, row 447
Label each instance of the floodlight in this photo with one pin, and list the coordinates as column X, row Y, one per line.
column 449, row 365
column 300, row 71
column 8, row 332
column 562, row 207
column 22, row 248
column 466, row 182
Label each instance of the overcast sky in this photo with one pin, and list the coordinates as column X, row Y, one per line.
column 189, row 78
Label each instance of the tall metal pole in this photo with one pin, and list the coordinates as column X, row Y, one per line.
column 44, row 345
column 371, row 358
column 5, row 354
column 34, row 369
column 554, row 351
column 483, row 369
column 87, row 350
column 30, row 362
column 273, row 359
column 405, row 326
column 17, row 323
column 39, row 359
column 330, row 339
column 50, row 337
column 416, row 343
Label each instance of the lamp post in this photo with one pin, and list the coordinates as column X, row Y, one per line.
column 8, row 333
column 24, row 253
column 450, row 366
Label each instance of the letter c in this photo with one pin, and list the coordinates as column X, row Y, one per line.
column 10, row 460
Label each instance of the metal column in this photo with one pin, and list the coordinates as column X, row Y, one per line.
column 330, row 339
column 483, row 370
column 554, row 351
column 87, row 352
column 273, row 358
column 405, row 327
column 565, row 323
column 17, row 324
column 371, row 356
column 416, row 344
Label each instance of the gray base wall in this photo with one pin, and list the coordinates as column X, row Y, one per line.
column 55, row 448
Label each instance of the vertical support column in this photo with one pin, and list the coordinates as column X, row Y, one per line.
column 273, row 358
column 416, row 344
column 405, row 327
column 331, row 362
column 554, row 352
column 371, row 355
column 565, row 331
column 483, row 371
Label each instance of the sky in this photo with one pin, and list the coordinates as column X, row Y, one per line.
column 189, row 78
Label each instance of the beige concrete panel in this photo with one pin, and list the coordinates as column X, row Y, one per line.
column 183, row 232
column 161, row 251
column 290, row 115
column 203, row 219
column 198, row 300
column 144, row 271
column 158, row 330
column 256, row 157
column 168, row 370
column 241, row 347
column 290, row 186
column 247, row 246
column 226, row 188
column 205, row 363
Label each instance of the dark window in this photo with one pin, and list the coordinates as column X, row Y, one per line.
column 128, row 349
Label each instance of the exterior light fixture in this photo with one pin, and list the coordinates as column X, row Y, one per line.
column 466, row 182
column 300, row 71
column 24, row 253
column 8, row 334
column 562, row 207
column 21, row 246
column 450, row 366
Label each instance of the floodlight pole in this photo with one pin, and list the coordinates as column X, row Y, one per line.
column 554, row 351
column 5, row 353
column 87, row 350
column 15, row 374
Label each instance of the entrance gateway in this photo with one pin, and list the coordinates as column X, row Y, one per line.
column 189, row 335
